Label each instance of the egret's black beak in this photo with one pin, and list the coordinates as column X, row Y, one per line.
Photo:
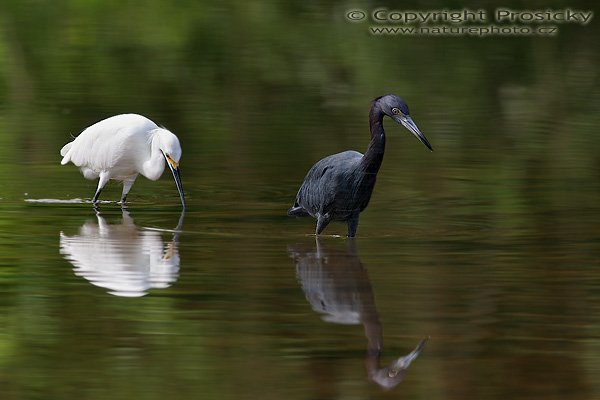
column 409, row 124
column 175, row 171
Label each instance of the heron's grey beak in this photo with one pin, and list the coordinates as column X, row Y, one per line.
column 175, row 171
column 409, row 124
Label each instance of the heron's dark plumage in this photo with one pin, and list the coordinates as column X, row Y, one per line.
column 339, row 187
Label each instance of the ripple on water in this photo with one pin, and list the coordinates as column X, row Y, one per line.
column 65, row 201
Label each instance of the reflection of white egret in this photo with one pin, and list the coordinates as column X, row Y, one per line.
column 120, row 148
column 337, row 286
column 122, row 258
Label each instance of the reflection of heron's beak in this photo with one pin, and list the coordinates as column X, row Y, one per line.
column 409, row 124
column 404, row 362
column 175, row 170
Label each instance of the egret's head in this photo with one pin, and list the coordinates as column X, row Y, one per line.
column 169, row 145
column 171, row 149
column 397, row 109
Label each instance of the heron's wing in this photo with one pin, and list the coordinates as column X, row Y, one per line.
column 321, row 184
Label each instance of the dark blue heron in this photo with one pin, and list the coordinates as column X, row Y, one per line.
column 339, row 187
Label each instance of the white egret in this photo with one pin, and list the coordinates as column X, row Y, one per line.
column 121, row 148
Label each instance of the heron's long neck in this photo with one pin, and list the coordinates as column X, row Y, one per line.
column 374, row 155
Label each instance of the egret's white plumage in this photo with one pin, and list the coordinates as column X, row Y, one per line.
column 120, row 148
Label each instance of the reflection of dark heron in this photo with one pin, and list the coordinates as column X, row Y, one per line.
column 122, row 258
column 338, row 287
column 339, row 187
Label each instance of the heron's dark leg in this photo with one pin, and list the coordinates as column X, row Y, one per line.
column 353, row 225
column 322, row 222
column 104, row 178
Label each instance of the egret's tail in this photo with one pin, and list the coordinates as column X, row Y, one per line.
column 66, row 153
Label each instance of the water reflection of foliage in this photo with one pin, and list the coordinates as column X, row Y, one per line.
column 195, row 67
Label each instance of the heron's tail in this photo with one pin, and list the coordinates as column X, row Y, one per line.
column 297, row 211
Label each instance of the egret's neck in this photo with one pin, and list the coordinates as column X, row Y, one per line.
column 155, row 165
column 374, row 155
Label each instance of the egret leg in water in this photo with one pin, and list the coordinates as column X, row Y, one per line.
column 339, row 187
column 121, row 148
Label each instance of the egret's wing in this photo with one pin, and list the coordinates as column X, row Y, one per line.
column 99, row 145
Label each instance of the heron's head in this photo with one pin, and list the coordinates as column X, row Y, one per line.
column 397, row 109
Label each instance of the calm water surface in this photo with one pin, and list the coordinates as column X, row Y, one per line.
column 487, row 247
